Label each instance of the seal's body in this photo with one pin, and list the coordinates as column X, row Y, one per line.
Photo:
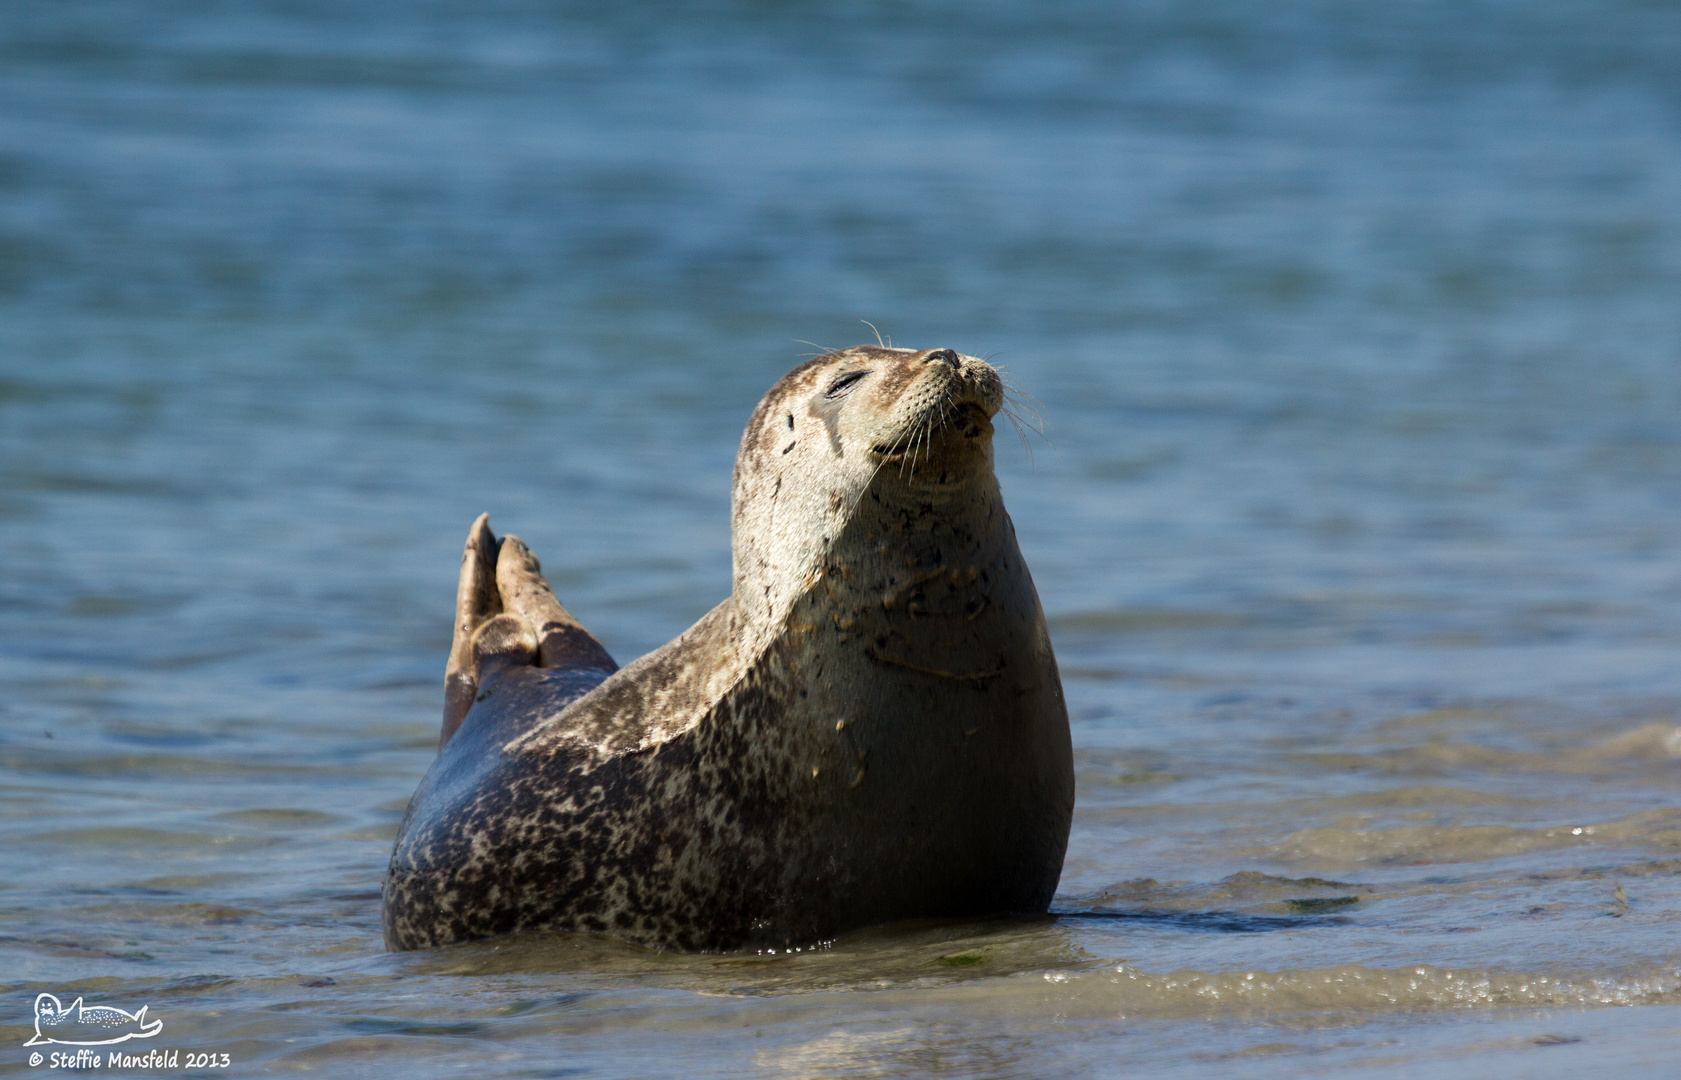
column 870, row 728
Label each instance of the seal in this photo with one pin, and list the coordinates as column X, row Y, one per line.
column 88, row 1025
column 871, row 727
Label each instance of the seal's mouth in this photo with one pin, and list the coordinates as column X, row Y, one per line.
column 961, row 419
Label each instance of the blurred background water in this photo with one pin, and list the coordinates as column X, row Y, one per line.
column 1356, row 330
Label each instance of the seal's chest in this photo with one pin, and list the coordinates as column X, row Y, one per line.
column 960, row 591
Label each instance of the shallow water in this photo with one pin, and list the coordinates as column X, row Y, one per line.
column 1357, row 339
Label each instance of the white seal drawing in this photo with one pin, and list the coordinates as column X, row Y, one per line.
column 88, row 1025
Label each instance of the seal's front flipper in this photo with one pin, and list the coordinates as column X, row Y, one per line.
column 562, row 642
column 476, row 602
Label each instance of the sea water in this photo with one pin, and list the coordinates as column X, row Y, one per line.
column 1355, row 336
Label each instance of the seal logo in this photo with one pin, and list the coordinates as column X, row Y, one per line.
column 870, row 728
column 88, row 1025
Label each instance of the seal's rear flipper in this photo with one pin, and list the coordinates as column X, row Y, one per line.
column 562, row 642
column 476, row 602
column 507, row 616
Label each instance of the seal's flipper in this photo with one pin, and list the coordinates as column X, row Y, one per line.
column 476, row 601
column 562, row 640
column 504, row 641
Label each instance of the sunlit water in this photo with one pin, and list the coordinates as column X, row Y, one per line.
column 1356, row 331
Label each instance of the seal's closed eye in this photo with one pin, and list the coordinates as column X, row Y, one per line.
column 843, row 385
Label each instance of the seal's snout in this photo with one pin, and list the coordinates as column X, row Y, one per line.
column 943, row 356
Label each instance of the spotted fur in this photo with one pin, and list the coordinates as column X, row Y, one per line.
column 870, row 728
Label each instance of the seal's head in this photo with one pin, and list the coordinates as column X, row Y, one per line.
column 905, row 425
column 909, row 408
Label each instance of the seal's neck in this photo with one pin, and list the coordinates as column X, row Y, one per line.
column 786, row 551
column 856, row 561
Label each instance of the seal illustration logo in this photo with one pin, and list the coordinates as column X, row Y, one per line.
column 88, row 1025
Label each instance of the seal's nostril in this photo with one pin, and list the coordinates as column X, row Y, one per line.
column 944, row 356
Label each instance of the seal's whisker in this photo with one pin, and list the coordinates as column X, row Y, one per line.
column 906, row 451
column 936, row 417
column 916, row 441
column 1025, row 400
column 872, row 326
column 1019, row 431
column 1023, row 410
column 1035, row 424
column 1021, row 434
column 924, row 433
column 922, row 428
column 908, row 459
column 1024, row 415
column 864, row 490
column 1008, row 382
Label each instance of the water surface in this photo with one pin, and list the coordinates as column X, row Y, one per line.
column 1357, row 336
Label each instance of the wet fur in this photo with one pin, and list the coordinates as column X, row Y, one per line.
column 870, row 728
